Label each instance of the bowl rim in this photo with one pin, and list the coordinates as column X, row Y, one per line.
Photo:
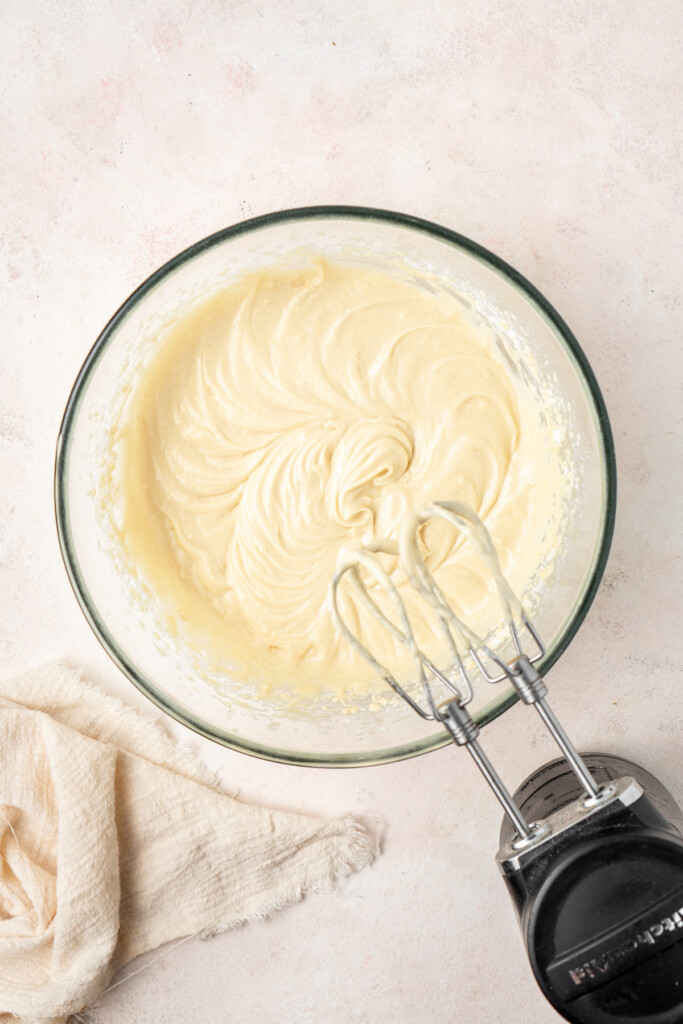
column 67, row 548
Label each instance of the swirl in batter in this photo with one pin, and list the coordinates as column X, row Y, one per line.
column 296, row 412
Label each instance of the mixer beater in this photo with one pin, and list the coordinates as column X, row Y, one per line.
column 591, row 847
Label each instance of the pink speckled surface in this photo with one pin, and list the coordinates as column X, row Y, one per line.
column 547, row 131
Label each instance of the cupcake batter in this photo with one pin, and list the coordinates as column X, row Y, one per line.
column 299, row 411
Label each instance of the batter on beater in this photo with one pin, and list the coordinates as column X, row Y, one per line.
column 300, row 411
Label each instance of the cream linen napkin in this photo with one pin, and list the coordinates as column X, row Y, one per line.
column 113, row 841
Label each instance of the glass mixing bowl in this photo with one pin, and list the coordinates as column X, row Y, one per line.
column 117, row 606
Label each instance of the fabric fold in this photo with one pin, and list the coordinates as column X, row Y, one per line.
column 113, row 840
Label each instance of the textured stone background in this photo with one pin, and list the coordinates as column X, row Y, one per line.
column 547, row 131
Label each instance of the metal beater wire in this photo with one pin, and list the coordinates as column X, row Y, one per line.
column 460, row 638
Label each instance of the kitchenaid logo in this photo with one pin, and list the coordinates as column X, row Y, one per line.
column 651, row 936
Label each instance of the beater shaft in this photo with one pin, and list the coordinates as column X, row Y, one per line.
column 532, row 690
column 464, row 732
column 568, row 749
column 508, row 804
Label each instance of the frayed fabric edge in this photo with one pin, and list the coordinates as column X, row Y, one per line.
column 119, row 711
column 357, row 850
column 151, row 720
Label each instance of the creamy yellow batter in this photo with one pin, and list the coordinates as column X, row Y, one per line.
column 299, row 411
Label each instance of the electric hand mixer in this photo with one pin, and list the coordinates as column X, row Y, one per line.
column 591, row 847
